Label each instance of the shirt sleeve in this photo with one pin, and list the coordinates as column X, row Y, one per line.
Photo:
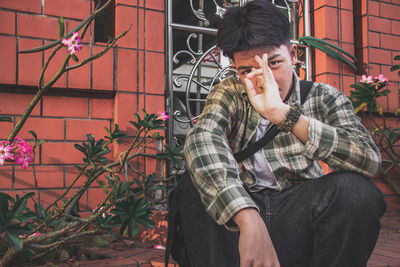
column 340, row 139
column 210, row 162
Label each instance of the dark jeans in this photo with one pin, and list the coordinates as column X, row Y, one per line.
column 330, row 221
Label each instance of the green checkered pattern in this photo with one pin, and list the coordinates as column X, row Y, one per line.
column 228, row 124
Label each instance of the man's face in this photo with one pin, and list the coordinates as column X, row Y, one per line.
column 280, row 61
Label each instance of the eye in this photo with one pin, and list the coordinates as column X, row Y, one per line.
column 274, row 63
column 244, row 72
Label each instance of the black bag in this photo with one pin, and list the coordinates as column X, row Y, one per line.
column 175, row 238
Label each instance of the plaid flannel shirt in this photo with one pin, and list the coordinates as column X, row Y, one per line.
column 228, row 124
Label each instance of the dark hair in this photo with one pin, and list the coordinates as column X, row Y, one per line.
column 258, row 24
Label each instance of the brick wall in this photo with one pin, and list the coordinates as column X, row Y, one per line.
column 370, row 30
column 109, row 90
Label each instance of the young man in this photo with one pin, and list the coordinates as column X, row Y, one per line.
column 287, row 211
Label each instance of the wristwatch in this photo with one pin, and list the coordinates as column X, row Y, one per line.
column 291, row 118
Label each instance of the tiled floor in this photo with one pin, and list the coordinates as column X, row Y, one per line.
column 387, row 249
column 386, row 253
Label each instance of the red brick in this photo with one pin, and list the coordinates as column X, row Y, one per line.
column 347, row 31
column 141, row 29
column 321, row 3
column 390, row 11
column 96, row 195
column 374, row 39
column 103, row 74
column 124, row 108
column 347, row 81
column 80, row 77
column 8, row 106
column 383, row 102
column 391, row 75
column 5, row 130
column 71, row 24
column 155, row 31
column 78, row 129
column 127, row 70
column 7, row 22
column 332, row 79
column 379, row 24
column 395, row 27
column 326, row 23
column 373, row 8
column 6, row 177
column 390, row 42
column 126, row 16
column 126, row 2
column 49, row 196
column 345, row 4
column 23, row 5
column 101, row 108
column 37, row 26
column 347, row 70
column 29, row 64
column 71, row 173
column 325, row 63
column 373, row 69
column 47, row 177
column 61, row 153
column 154, row 73
column 154, row 103
column 72, row 107
column 78, row 9
column 141, row 71
column 380, row 56
column 8, row 65
column 160, row 5
column 47, row 129
column 54, row 66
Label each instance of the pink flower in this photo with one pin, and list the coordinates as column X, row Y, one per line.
column 382, row 79
column 32, row 235
column 161, row 247
column 5, row 152
column 365, row 79
column 73, row 43
column 162, row 116
column 24, row 158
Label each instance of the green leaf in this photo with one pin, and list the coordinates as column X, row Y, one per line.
column 330, row 52
column 5, row 119
column 103, row 185
column 61, row 27
column 75, row 58
column 13, row 239
column 146, row 222
column 34, row 135
column 312, row 38
column 395, row 67
column 397, row 57
column 99, row 241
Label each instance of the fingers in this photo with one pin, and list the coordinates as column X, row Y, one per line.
column 263, row 64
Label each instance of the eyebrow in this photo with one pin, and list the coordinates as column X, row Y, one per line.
column 274, row 56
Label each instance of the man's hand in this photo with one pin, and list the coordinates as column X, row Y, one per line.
column 255, row 245
column 263, row 92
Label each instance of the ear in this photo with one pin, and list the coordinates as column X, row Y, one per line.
column 293, row 54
